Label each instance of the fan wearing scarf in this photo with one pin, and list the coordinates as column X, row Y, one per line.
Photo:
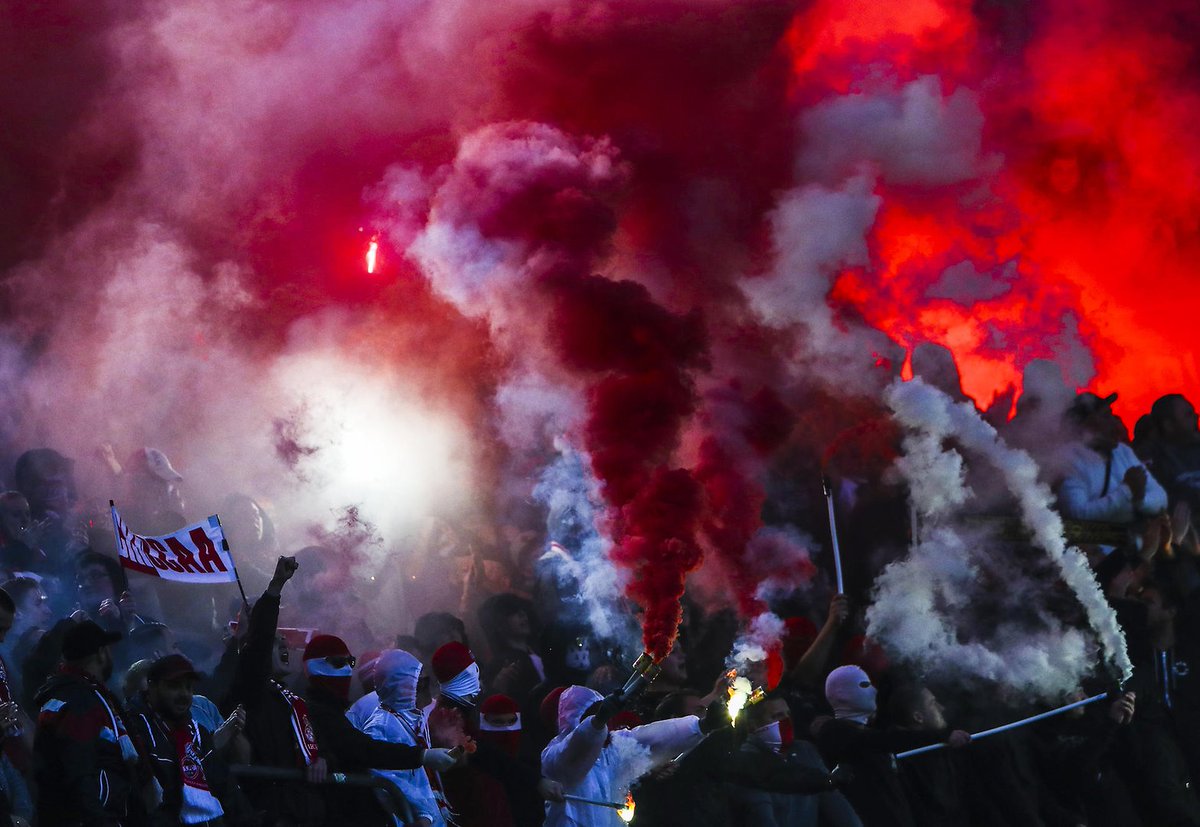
column 500, row 724
column 183, row 752
column 399, row 720
column 329, row 668
column 589, row 762
column 277, row 721
column 454, row 718
column 473, row 793
column 88, row 769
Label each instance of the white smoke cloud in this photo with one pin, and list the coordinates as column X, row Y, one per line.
column 967, row 284
column 921, row 601
column 631, row 760
column 754, row 643
column 912, row 135
column 379, row 446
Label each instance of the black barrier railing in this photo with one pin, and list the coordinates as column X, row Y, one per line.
column 389, row 796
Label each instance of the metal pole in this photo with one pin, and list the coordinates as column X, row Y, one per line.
column 833, row 534
column 1006, row 727
column 580, row 800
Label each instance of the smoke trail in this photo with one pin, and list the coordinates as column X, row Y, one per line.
column 916, row 598
column 514, row 229
column 736, row 435
column 631, row 761
column 762, row 636
column 572, row 500
column 780, row 560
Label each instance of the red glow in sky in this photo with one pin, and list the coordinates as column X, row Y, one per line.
column 1090, row 210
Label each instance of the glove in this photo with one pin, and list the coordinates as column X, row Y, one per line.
column 604, row 710
column 438, row 760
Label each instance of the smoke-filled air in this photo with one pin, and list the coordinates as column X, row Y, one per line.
column 590, row 303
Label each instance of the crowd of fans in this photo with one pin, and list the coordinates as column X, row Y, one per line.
column 503, row 709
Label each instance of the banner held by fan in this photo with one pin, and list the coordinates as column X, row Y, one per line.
column 198, row 553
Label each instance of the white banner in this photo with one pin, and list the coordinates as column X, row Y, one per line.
column 195, row 554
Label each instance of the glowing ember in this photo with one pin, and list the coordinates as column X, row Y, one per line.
column 372, row 255
column 626, row 812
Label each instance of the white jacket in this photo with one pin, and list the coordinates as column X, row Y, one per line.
column 361, row 710
column 398, row 721
column 582, row 759
column 1080, row 497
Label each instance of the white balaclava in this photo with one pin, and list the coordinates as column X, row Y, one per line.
column 849, row 691
column 396, row 677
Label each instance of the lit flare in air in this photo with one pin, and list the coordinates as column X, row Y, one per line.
column 372, row 254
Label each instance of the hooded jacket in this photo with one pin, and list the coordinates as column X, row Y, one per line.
column 399, row 721
column 348, row 749
column 589, row 764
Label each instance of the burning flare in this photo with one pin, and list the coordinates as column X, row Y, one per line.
column 626, row 812
column 741, row 694
column 372, row 254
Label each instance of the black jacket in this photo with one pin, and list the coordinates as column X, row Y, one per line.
column 156, row 740
column 875, row 790
column 83, row 778
column 269, row 723
column 697, row 791
column 347, row 749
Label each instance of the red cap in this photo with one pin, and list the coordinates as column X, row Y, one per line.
column 499, row 705
column 548, row 711
column 451, row 660
column 326, row 646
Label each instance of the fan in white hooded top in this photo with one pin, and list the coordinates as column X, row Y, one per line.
column 398, row 720
column 591, row 764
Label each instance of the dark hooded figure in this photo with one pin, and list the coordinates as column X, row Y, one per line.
column 875, row 790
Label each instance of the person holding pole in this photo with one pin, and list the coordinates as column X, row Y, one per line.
column 585, row 758
column 848, row 741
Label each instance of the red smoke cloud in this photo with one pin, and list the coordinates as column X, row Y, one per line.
column 636, row 414
column 1088, row 221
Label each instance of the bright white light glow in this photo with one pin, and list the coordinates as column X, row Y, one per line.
column 379, row 446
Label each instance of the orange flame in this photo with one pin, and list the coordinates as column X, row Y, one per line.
column 626, row 812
